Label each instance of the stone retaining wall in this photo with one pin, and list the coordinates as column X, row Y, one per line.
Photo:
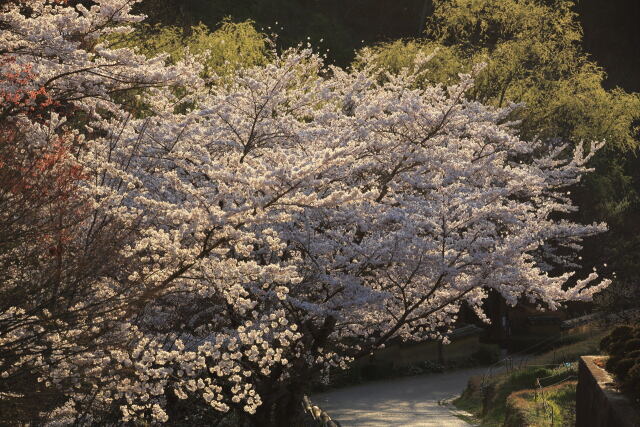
column 598, row 402
column 464, row 342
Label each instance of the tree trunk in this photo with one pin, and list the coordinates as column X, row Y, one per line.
column 285, row 410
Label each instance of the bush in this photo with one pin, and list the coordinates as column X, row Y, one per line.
column 632, row 344
column 623, row 367
column 623, row 347
column 618, row 334
column 622, row 332
column 612, row 363
column 633, row 377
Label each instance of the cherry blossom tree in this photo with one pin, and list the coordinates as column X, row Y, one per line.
column 60, row 293
column 262, row 229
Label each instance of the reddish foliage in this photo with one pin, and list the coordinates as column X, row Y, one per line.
column 40, row 180
column 18, row 93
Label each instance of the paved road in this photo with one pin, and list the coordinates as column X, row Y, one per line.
column 405, row 402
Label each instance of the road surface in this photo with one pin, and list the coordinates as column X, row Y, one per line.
column 406, row 402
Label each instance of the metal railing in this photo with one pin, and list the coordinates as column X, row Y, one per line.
column 540, row 396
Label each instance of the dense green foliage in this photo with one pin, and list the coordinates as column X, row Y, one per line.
column 341, row 26
column 623, row 345
column 611, row 33
column 230, row 47
column 533, row 56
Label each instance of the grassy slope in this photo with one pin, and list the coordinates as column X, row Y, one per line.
column 545, row 366
column 554, row 407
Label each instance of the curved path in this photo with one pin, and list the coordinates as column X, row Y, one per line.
column 407, row 402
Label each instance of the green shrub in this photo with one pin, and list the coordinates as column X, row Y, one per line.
column 623, row 346
column 622, row 339
column 633, row 377
column 622, row 332
column 233, row 45
column 612, row 363
column 617, row 347
column 623, row 367
column 632, row 345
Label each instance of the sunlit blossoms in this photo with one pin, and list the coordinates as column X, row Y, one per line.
column 254, row 232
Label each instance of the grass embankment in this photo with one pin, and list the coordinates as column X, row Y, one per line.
column 534, row 393
column 548, row 406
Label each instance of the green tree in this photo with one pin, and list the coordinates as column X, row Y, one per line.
column 230, row 47
column 533, row 55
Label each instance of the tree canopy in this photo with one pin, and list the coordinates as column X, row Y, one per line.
column 534, row 56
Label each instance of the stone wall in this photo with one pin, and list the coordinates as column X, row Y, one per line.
column 598, row 402
column 464, row 342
